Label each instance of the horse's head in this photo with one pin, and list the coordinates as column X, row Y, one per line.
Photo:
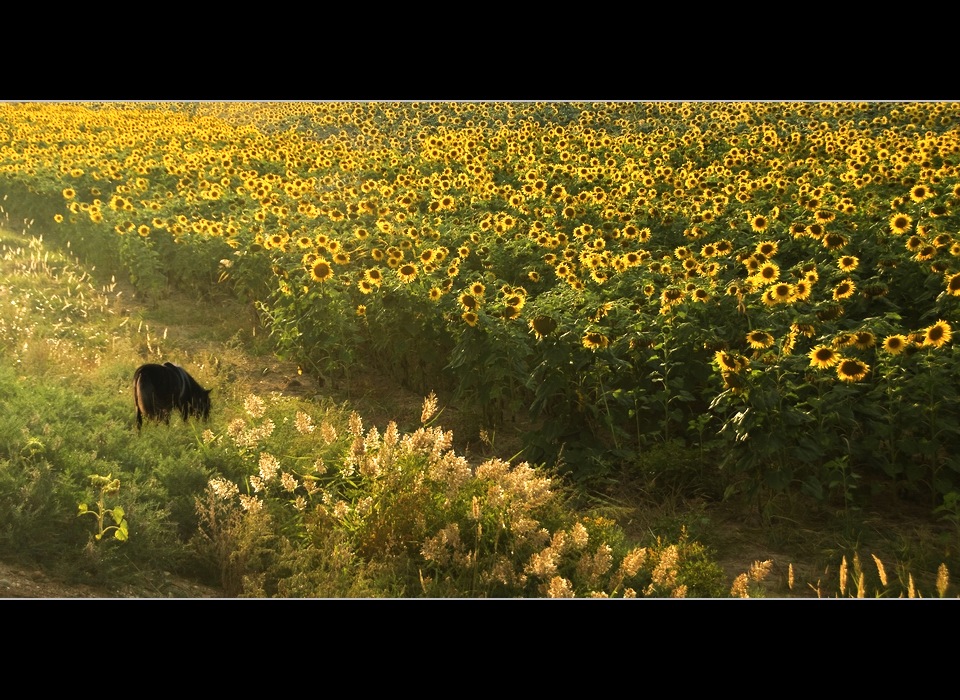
column 200, row 403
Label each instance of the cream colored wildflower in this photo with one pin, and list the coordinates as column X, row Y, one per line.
column 328, row 433
column 300, row 504
column 250, row 437
column 254, row 406
column 560, row 588
column 355, row 424
column 760, row 569
column 392, row 435
column 208, row 436
column 475, row 511
column 250, row 504
column 880, row 570
column 319, row 466
column 579, row 536
column 370, row 466
column 527, row 530
column 265, row 430
column 492, row 469
column 223, row 489
column 943, row 580
column 236, row 427
column 341, row 509
column 664, row 574
column 592, row 566
column 629, row 593
column 500, row 571
column 256, row 483
column 289, row 482
column 740, row 588
column 452, row 470
column 633, row 561
column 542, row 564
column 439, row 548
column 304, row 423
column 429, row 408
column 372, row 441
column 365, row 506
column 465, row 559
column 269, row 465
column 496, row 496
column 358, row 449
column 679, row 592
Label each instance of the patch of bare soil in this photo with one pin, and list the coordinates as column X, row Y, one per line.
column 19, row 581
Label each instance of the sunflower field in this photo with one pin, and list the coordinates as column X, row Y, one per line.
column 773, row 284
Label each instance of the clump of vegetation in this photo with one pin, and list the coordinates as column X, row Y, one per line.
column 414, row 516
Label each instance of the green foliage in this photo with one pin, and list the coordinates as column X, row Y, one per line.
column 108, row 486
column 145, row 265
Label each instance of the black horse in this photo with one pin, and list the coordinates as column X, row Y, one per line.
column 160, row 389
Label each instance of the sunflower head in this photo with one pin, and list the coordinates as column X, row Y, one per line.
column 759, row 340
column 895, row 344
column 595, row 341
column 852, row 370
column 823, row 356
column 542, row 326
column 938, row 335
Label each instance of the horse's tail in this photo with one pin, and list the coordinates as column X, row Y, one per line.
column 139, row 398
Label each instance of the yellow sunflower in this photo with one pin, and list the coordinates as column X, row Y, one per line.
column 851, row 370
column 759, row 340
column 542, row 326
column 823, row 356
column 468, row 301
column 847, row 263
column 321, row 270
column 768, row 273
column 864, row 340
column 759, row 223
column 766, row 248
column 595, row 341
column 953, row 284
column 900, row 223
column 407, row 272
column 844, row 290
column 938, row 335
column 895, row 344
